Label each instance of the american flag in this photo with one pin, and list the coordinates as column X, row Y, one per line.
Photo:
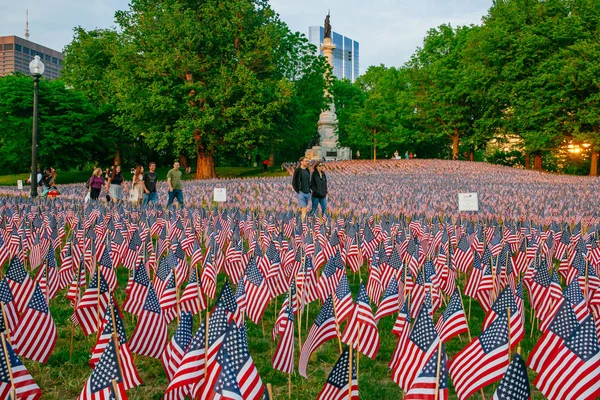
column 240, row 299
column 21, row 285
column 107, row 269
column 48, row 276
column 342, row 300
column 433, row 377
column 463, row 256
column 175, row 350
column 192, row 300
column 515, row 383
column 283, row 359
column 338, row 385
column 150, row 335
column 483, row 361
column 257, row 292
column 191, row 369
column 574, row 369
column 329, row 279
column 93, row 304
column 390, row 303
column 8, row 307
column 361, row 330
column 131, row 378
column 421, row 344
column 560, row 329
column 24, row 385
column 246, row 374
column 209, row 273
column 138, row 290
column 374, row 285
column 453, row 321
column 35, row 335
column 105, row 378
column 168, row 299
column 131, row 252
column 505, row 301
column 323, row 329
column 227, row 386
column 217, row 330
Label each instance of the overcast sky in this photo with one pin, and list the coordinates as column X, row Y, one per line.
column 388, row 31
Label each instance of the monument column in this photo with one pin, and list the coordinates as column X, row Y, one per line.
column 328, row 147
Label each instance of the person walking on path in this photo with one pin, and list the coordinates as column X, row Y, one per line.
column 318, row 188
column 95, row 184
column 149, row 185
column 115, row 184
column 301, row 185
column 137, row 189
column 174, row 182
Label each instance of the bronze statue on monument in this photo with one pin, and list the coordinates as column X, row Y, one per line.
column 327, row 27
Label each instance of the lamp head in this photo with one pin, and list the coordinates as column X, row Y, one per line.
column 36, row 67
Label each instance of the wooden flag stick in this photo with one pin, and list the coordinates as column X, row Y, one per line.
column 270, row 391
column 115, row 389
column 13, row 393
column 508, row 313
column 337, row 325
column 5, row 321
column 437, row 371
column 290, row 386
column 206, row 346
column 176, row 296
column 99, row 317
column 350, row 372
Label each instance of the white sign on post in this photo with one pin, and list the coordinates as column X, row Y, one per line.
column 220, row 194
column 20, row 184
column 468, row 202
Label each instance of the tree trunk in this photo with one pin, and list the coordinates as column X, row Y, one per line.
column 183, row 161
column 455, row 146
column 205, row 166
column 594, row 166
column 471, row 155
column 374, row 145
column 118, row 158
column 527, row 161
column 271, row 159
column 537, row 162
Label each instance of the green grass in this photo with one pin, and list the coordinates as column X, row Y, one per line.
column 66, row 177
column 63, row 377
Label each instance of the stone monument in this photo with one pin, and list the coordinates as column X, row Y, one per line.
column 328, row 147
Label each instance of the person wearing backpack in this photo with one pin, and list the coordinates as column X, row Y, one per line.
column 95, row 183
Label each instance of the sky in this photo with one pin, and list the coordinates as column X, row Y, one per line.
column 389, row 31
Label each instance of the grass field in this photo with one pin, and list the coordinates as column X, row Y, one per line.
column 63, row 377
column 66, row 177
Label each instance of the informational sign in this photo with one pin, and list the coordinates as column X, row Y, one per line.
column 20, row 184
column 220, row 194
column 468, row 202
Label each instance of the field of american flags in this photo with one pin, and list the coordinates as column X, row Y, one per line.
column 414, row 253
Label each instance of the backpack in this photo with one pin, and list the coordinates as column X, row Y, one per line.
column 40, row 180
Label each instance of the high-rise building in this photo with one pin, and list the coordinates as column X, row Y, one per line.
column 16, row 54
column 345, row 54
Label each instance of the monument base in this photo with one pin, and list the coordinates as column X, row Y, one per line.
column 329, row 153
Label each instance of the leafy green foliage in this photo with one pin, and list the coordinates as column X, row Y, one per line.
column 70, row 128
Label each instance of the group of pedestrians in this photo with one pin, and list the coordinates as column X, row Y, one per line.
column 310, row 188
column 143, row 186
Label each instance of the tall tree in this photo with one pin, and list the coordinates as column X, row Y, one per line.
column 200, row 77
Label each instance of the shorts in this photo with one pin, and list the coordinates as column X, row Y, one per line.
column 303, row 199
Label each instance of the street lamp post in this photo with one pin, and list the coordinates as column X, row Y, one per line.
column 36, row 67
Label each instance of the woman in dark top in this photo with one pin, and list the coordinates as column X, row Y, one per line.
column 318, row 188
column 115, row 184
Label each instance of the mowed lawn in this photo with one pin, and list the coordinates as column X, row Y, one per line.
column 67, row 177
column 64, row 376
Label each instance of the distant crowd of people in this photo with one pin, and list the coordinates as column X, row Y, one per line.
column 143, row 185
column 46, row 182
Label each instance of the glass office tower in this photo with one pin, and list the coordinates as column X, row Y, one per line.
column 345, row 55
